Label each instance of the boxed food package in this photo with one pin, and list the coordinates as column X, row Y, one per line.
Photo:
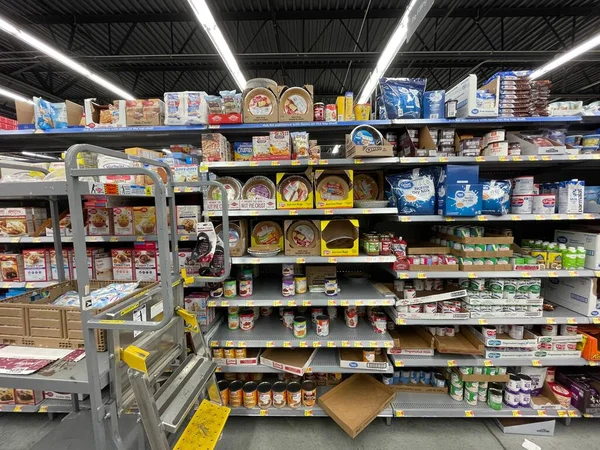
column 238, row 236
column 98, row 221
column 187, row 218
column 261, row 148
column 11, row 267
column 21, row 221
column 267, row 232
column 368, row 185
column 109, row 162
column 296, row 104
column 214, row 147
column 345, row 107
column 279, row 146
column 192, row 267
column 123, row 221
column 536, row 144
column 104, row 116
column 316, row 274
column 571, row 197
column 294, row 190
column 302, row 237
column 383, row 150
column 590, row 241
column 64, row 225
column 334, row 189
column 143, row 153
column 103, row 269
column 54, row 266
column 148, row 112
column 576, row 294
column 260, row 106
column 122, row 262
column 36, row 264
column 339, row 237
column 243, row 151
column 90, row 261
column 145, row 261
column 186, row 108
column 144, row 220
column 7, row 396
column 434, row 103
column 294, row 361
column 28, row 397
column 474, row 102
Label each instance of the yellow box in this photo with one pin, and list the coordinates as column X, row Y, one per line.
column 349, row 107
column 295, row 190
column 339, row 237
column 554, row 261
column 266, row 232
column 542, row 258
column 341, row 108
column 333, row 189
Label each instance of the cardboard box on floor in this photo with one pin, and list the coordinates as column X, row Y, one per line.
column 407, row 341
column 294, row 361
column 531, row 427
column 356, row 402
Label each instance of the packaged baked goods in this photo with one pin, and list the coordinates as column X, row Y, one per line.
column 267, row 232
column 144, row 220
column 294, row 191
column 11, row 267
column 296, row 105
column 261, row 148
column 366, row 187
column 232, row 186
column 302, row 237
column 123, row 221
column 260, row 106
column 333, row 188
column 238, row 236
column 279, row 145
column 258, row 193
column 98, row 221
column 300, row 145
column 187, row 218
column 339, row 237
column 214, row 147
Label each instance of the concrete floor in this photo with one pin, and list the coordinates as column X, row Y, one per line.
column 22, row 431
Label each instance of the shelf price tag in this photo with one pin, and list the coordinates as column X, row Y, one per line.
column 482, row 218
column 525, row 275
column 204, row 168
column 546, row 158
column 263, row 412
column 552, row 274
column 532, row 158
column 277, row 303
column 287, row 344
column 332, row 260
column 399, row 363
column 211, row 303
column 228, row 343
column 255, row 261
column 449, row 219
column 516, row 218
column 443, row 159
column 317, row 344
column 594, row 363
column 421, row 275
column 400, row 321
column 275, row 163
column 358, row 303
column 331, row 303
column 224, row 302
column 111, row 189
column 43, row 409
column 470, row 413
column 388, row 344
column 306, row 302
column 303, row 344
column 249, row 302
column 359, row 161
column 344, row 303
column 293, row 212
column 596, row 320
column 292, row 303
column 15, row 240
column 403, row 276
column 214, row 343
column 253, row 213
column 241, row 344
column 328, row 212
column 542, row 413
column 571, row 320
column 270, row 344
column 405, row 219
column 488, row 363
column 451, row 363
column 517, row 158
column 479, row 159
column 572, row 413
column 516, row 413
column 345, row 343
column 140, row 239
column 399, row 413
column 309, row 370
column 372, row 344
column 561, row 413
column 573, row 273
column 18, row 408
column 218, row 370
column 471, row 275
column 184, row 238
column 423, row 160
column 482, row 321
column 588, row 416
column 308, row 412
column 371, row 302
column 536, row 363
column 539, row 217
column 358, row 344
column 550, row 320
column 295, row 162
column 331, row 344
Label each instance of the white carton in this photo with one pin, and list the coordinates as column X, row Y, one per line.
column 504, row 340
column 36, row 263
column 433, row 296
column 531, row 427
column 570, row 197
column 496, row 149
column 576, row 294
column 498, row 354
column 529, row 148
column 54, row 267
column 286, row 361
column 251, row 359
column 411, row 351
column 103, row 269
column 470, row 103
column 351, row 358
column 551, row 339
column 590, row 241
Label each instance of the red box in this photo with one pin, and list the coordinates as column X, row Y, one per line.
column 218, row 119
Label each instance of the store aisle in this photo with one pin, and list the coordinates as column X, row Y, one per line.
column 22, row 431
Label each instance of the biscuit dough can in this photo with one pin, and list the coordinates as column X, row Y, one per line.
column 512, row 399
column 301, row 285
column 235, row 394
column 279, row 394
column 230, row 288
column 456, row 392
column 250, row 394
column 322, row 325
column 294, row 394
column 223, row 386
column 309, row 393
column 299, row 327
column 265, row 397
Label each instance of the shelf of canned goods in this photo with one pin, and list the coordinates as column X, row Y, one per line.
column 450, row 360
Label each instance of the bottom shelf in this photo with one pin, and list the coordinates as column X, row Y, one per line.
column 46, row 406
column 441, row 405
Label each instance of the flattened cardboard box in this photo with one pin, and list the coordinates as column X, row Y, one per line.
column 294, row 361
column 356, row 402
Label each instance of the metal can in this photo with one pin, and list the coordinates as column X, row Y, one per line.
column 331, row 112
column 438, row 380
column 250, row 394
column 379, row 322
column 317, row 311
column 265, row 397
column 247, row 319
column 319, row 112
column 456, row 392
column 471, row 397
column 299, row 327
column 368, row 355
column 218, row 353
column 229, row 353
column 332, row 312
column 279, row 394
column 230, row 288
column 322, row 322
column 331, row 286
column 301, row 285
column 288, row 287
column 294, row 394
column 287, row 270
column 392, row 138
column 288, row 318
column 240, row 353
column 511, row 398
column 235, row 394
column 233, row 321
column 309, row 393
column 524, row 399
column 256, row 376
column 223, row 386
column 495, row 399
column 351, row 318
column 245, row 286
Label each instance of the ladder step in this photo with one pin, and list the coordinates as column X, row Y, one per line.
column 205, row 427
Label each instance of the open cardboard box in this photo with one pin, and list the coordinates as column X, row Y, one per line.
column 427, row 248
column 463, row 343
column 478, row 240
column 26, row 115
column 352, row 358
column 295, row 103
column 408, row 341
column 465, row 93
column 426, row 147
column 546, row 400
column 92, row 111
column 294, row 361
column 529, row 148
column 504, row 340
column 332, row 179
column 383, row 150
column 251, row 359
column 356, row 402
column 530, row 427
column 419, row 388
column 339, row 237
column 480, row 377
column 431, row 296
column 376, row 175
column 306, row 228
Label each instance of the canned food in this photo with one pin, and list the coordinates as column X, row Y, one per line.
column 233, row 321
column 455, row 379
column 250, row 394
column 218, row 353
column 351, row 318
column 265, row 397
column 223, row 386
column 229, row 353
column 240, row 353
column 331, row 286
column 309, row 393
column 288, row 287
column 512, row 399
column 414, row 309
column 322, row 325
column 316, row 312
column 451, row 331
column 243, row 376
column 387, row 379
column 438, row 380
column 524, row 399
column 571, row 346
column 526, row 383
column 235, row 394
column 279, row 394
column 216, row 290
column 495, row 399
column 430, row 308
column 257, row 376
column 456, row 392
column 419, row 285
column 319, row 112
column 301, row 285
column 549, row 330
column 472, row 386
column 368, row 355
column 299, row 327
column 288, row 318
column 233, row 310
column 559, row 346
column 287, row 270
column 440, row 331
column 294, row 395
column 514, row 383
column 568, row 330
column 415, row 376
column 425, row 377
column 409, row 293
column 245, row 286
column 331, row 112
column 247, row 320
column 471, row 397
column 230, row 288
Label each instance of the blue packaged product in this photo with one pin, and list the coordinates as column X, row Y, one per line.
column 496, row 197
column 242, row 151
column 433, row 104
column 453, row 174
column 463, row 200
column 591, row 199
column 402, row 97
column 412, row 194
column 363, row 137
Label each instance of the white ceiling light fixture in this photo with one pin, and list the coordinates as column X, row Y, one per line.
column 35, row 155
column 207, row 21
column 15, row 96
column 388, row 54
column 63, row 59
column 573, row 53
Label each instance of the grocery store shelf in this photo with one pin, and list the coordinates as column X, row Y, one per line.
column 61, row 376
column 441, row 405
column 305, row 212
column 327, row 360
column 69, row 239
column 450, row 360
column 559, row 316
column 504, row 218
column 405, row 275
column 48, row 405
column 267, row 292
column 270, row 332
column 488, row 121
column 312, row 125
column 25, row 189
column 299, row 163
column 279, row 259
column 26, row 285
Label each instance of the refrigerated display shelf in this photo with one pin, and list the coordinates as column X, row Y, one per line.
column 450, row 360
column 305, row 212
column 270, row 332
column 327, row 360
column 442, row 405
column 280, row 259
column 560, row 315
column 267, row 292
column 504, row 218
column 406, row 274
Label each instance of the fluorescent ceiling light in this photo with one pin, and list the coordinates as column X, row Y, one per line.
column 557, row 62
column 207, row 21
column 35, row 155
column 388, row 54
column 63, row 59
column 14, row 96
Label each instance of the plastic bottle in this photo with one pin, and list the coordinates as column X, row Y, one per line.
column 580, row 258
column 570, row 259
column 545, row 245
column 538, row 245
column 552, row 246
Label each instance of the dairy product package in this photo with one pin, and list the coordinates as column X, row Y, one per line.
column 496, row 197
column 570, row 197
column 592, row 199
column 413, row 192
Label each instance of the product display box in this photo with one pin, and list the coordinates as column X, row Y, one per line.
column 260, row 105
column 104, row 116
column 352, row 358
column 425, row 146
column 474, row 102
column 238, row 236
column 584, row 391
column 316, row 274
column 266, row 232
column 28, row 396
column 590, row 241
column 295, row 103
column 214, row 147
column 37, row 265
column 294, row 361
column 529, row 427
column 504, row 354
column 503, row 340
column 339, row 237
column 144, row 220
column 102, row 267
column 122, row 261
column 383, row 150
column 25, row 115
column 295, row 190
column 552, row 339
column 529, row 148
column 480, row 377
column 576, row 294
column 427, row 316
column 547, row 399
column 251, row 359
column 302, row 237
column 334, row 189
column 419, row 388
column 409, row 342
column 463, row 343
column 149, row 112
column 431, row 296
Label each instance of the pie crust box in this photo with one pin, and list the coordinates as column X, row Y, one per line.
column 333, row 189
column 238, row 236
column 302, row 237
column 296, row 103
column 368, row 185
column 295, row 190
column 37, row 264
column 339, row 237
column 258, row 193
column 260, row 106
column 266, row 232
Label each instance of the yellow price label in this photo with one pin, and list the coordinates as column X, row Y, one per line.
column 303, row 344
column 488, row 363
column 255, row 261
column 399, row 413
column 253, row 213
column 211, row 213
column 542, row 413
column 470, row 413
column 300, row 260
column 332, row 260
column 228, row 343
column 516, row 413
column 241, row 344
column 372, row 344
column 539, row 217
column 588, row 416
column 211, row 303
column 263, row 412
column 204, row 167
column 309, row 370
column 270, row 344
column 482, row 218
column 312, row 162
column 293, row 212
column 29, row 285
column 403, row 276
column 359, row 161
column 516, row 218
column 18, row 408
column 525, row 275
column 140, row 239
column 421, row 275
column 550, row 320
column 295, row 162
column 249, row 302
column 331, row 303
column 405, row 219
column 451, row 363
column 479, row 158
column 323, row 162
column 371, row 302
column 400, row 321
column 594, row 363
column 552, row 274
column 517, row 158
column 328, row 212
column 218, row 370
column 306, row 302
column 15, row 240
column 536, row 363
column 482, row 321
column 358, row 344
column 573, row 273
column 317, row 344
column 546, row 158
column 449, row 219
column 292, row 303
column 277, row 303
column 571, row 320
column 275, row 163
column 188, row 189
column 345, row 343
column 367, row 211
column 36, row 240
column 358, row 303
column 184, row 238
column 596, row 320
column 443, row 159
column 214, row 343
column 308, row 412
column 149, row 190
column 331, row 344
column 388, row 344
column 43, row 409
column 532, row 158
column 471, row 275
column 399, row 363
column 561, row 413
column 503, row 158
column 422, row 160
column 287, row 344
column 572, row 413
column 224, row 302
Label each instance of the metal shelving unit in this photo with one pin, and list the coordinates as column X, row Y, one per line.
column 504, row 218
column 304, row 212
column 406, row 275
column 449, row 360
column 279, row 259
column 270, row 332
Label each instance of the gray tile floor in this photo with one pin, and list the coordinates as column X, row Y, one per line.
column 22, row 431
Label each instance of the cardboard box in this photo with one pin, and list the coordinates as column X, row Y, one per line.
column 103, row 270
column 470, row 99
column 302, row 237
column 504, row 340
column 432, row 296
column 481, row 377
column 463, row 343
column 339, row 237
column 7, row 396
column 552, row 339
column 243, row 151
column 260, row 105
column 409, row 342
column 530, row 427
column 334, row 189
column 383, row 150
column 419, row 388
column 251, row 359
column 37, row 265
column 145, row 261
column 122, row 217
column 98, row 221
column 294, row 190
column 150, row 112
column 547, row 399
column 280, row 147
column 123, row 268
column 26, row 114
column 576, row 294
column 294, row 361
column 529, row 148
column 425, row 146
column 316, row 274
column 214, row 147
column 296, row 103
column 238, row 236
column 356, row 402
column 187, row 218
column 144, row 220
column 266, row 232
column 434, row 104
column 352, row 358
column 590, row 241
column 90, row 261
column 21, row 221
column 368, row 185
column 582, row 389
column 28, row 397
column 508, row 354
column 104, row 116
